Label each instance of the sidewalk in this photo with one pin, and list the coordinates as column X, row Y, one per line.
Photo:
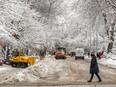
column 65, row 86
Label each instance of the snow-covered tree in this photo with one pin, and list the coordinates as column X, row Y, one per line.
column 99, row 16
column 19, row 25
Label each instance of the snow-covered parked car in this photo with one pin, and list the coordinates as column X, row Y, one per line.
column 79, row 53
column 7, row 61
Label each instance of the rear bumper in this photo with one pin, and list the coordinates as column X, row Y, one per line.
column 79, row 57
column 60, row 57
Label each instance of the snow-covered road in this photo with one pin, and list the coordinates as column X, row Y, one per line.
column 6, row 70
column 80, row 71
column 55, row 72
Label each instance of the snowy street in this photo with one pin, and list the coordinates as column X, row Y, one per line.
column 69, row 71
column 67, row 86
column 57, row 43
column 6, row 70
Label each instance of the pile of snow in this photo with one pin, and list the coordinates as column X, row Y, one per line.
column 42, row 69
column 3, row 68
column 110, row 60
column 107, row 60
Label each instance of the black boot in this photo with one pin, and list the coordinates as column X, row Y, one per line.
column 89, row 81
column 98, row 77
column 92, row 74
column 100, row 81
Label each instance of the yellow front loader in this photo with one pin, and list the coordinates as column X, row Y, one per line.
column 22, row 61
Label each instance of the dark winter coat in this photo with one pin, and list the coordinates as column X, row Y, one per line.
column 94, row 65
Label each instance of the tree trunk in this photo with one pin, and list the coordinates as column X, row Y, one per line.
column 109, row 33
column 110, row 45
column 6, row 51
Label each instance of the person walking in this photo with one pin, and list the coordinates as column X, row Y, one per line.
column 94, row 69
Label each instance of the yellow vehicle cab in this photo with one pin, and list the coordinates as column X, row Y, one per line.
column 22, row 61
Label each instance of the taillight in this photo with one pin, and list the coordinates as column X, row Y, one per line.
column 59, row 54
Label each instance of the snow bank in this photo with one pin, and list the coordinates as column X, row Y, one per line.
column 42, row 69
column 110, row 61
column 3, row 68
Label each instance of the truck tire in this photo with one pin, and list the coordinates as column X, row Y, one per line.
column 23, row 65
column 75, row 58
column 26, row 65
column 13, row 64
column 83, row 58
column 18, row 65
